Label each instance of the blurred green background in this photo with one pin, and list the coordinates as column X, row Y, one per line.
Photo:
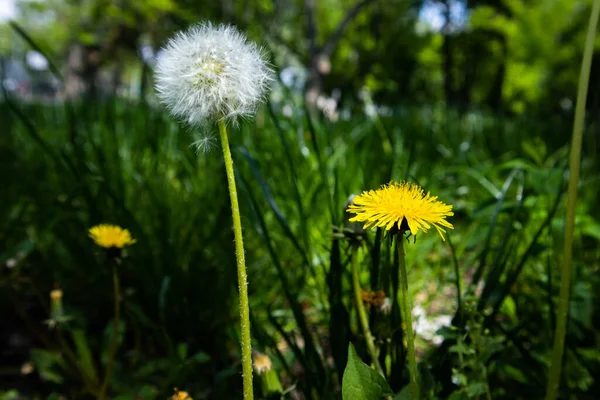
column 473, row 100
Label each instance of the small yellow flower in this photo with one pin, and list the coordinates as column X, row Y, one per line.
column 108, row 236
column 180, row 395
column 56, row 295
column 395, row 202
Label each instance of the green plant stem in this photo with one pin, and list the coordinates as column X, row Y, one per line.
column 412, row 361
column 362, row 314
column 241, row 267
column 456, row 282
column 115, row 333
column 574, row 163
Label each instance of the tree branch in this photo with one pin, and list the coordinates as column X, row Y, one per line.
column 332, row 41
column 311, row 27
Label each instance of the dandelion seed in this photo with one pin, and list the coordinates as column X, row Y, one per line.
column 396, row 204
column 109, row 236
column 386, row 306
column 211, row 72
column 205, row 144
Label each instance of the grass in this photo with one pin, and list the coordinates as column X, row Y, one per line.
column 68, row 167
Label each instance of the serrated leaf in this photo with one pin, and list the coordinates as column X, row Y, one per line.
column 361, row 382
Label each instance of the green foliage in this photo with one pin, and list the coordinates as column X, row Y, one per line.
column 68, row 166
column 361, row 382
column 385, row 46
column 73, row 165
column 474, row 348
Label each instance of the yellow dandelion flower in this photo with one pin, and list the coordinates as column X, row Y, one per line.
column 394, row 203
column 180, row 395
column 108, row 236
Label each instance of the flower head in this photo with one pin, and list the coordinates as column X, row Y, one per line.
column 396, row 202
column 109, row 236
column 211, row 72
column 180, row 395
column 262, row 363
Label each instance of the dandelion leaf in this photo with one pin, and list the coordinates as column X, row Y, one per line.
column 361, row 382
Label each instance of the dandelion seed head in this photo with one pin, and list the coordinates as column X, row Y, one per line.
column 211, row 72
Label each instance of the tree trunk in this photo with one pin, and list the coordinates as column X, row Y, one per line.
column 448, row 57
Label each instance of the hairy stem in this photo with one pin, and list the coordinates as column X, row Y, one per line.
column 241, row 267
column 362, row 314
column 114, row 341
column 574, row 162
column 406, row 307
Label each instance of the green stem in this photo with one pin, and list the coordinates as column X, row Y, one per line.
column 412, row 361
column 574, row 162
column 456, row 282
column 241, row 267
column 115, row 334
column 362, row 314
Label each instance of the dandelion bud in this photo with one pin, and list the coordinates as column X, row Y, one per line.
column 56, row 295
column 57, row 314
column 211, row 72
column 262, row 363
column 269, row 380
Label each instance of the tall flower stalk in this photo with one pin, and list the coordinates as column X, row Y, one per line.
column 114, row 341
column 241, row 265
column 211, row 73
column 407, row 314
column 113, row 239
column 400, row 208
column 574, row 163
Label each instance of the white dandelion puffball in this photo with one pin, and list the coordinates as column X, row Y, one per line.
column 211, row 72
